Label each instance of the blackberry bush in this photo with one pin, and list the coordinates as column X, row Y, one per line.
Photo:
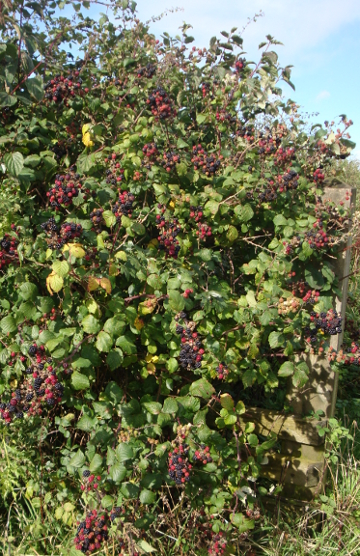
column 166, row 252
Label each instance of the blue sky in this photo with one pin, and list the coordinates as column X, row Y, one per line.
column 321, row 40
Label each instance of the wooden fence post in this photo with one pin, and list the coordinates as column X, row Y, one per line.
column 300, row 466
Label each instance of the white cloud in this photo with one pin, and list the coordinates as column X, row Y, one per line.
column 323, row 95
column 299, row 24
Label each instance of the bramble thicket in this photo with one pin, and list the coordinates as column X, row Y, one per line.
column 165, row 258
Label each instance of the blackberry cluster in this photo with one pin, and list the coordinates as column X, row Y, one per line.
column 284, row 156
column 8, row 251
column 269, row 194
column 317, row 239
column 329, row 323
column 205, row 88
column 202, row 455
column 169, row 160
column 329, row 213
column 160, row 104
column 65, row 189
column 203, row 231
column 218, row 545
column 288, row 181
column 208, row 164
column 148, row 71
column 289, row 305
column 115, row 512
column 318, row 175
column 222, row 371
column 114, row 174
column 168, row 231
column 70, row 231
column 240, row 65
column 191, row 353
column 150, row 150
column 96, row 217
column 223, row 116
column 124, row 205
column 246, row 132
column 89, row 481
column 311, row 297
column 61, row 88
column 40, row 388
column 59, row 150
column 178, row 465
column 60, row 236
column 196, row 213
column 352, row 354
column 92, row 532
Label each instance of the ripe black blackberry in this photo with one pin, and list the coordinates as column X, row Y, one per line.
column 29, row 397
column 32, row 350
column 178, row 466
column 147, row 71
column 86, row 473
column 19, row 415
column 160, row 104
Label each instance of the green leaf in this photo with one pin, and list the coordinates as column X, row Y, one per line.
column 176, row 301
column 244, row 212
column 154, row 281
column 117, row 472
column 7, row 100
column 109, row 217
column 212, row 207
column 86, row 423
column 202, row 389
column 96, row 463
column 129, row 490
column 170, row 406
column 107, row 501
column 286, row 369
column 90, row 324
column 103, row 341
column 126, row 344
column 280, row 220
column 147, row 497
column 77, row 459
column 79, row 381
column 14, row 163
column 276, row 339
column 226, row 401
column 232, row 234
column 8, row 324
column 124, row 452
column 115, row 359
column 143, row 545
column 61, row 268
column 35, row 87
column 153, row 407
column 115, row 326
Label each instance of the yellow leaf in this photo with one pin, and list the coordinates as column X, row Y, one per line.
column 153, row 244
column 75, row 249
column 113, row 270
column 151, row 369
column 86, row 139
column 172, row 205
column 93, row 284
column 13, row 383
column 54, row 283
column 105, row 284
column 139, row 323
column 85, row 128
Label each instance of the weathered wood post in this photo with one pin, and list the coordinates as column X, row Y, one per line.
column 300, row 465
